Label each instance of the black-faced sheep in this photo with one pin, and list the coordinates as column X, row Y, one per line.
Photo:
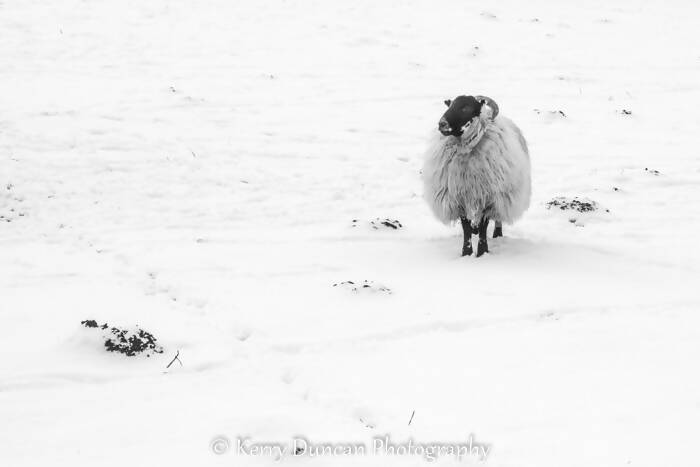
column 477, row 169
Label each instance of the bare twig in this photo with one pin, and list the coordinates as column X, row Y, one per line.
column 412, row 414
column 173, row 360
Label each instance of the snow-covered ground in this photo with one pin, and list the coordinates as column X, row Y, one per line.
column 195, row 168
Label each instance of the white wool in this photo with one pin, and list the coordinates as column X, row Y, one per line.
column 487, row 176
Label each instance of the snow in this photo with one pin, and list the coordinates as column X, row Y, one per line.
column 195, row 168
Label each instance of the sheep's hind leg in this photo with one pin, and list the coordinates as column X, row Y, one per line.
column 483, row 246
column 467, row 229
column 498, row 230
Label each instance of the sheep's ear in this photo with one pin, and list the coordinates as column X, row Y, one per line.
column 490, row 103
column 486, row 110
column 448, row 102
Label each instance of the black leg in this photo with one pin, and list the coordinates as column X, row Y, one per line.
column 483, row 244
column 467, row 229
column 498, row 230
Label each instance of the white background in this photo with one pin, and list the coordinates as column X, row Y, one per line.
column 195, row 167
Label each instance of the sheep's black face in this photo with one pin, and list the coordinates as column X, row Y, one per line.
column 461, row 111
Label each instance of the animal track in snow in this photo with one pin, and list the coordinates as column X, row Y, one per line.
column 10, row 208
column 549, row 316
column 364, row 416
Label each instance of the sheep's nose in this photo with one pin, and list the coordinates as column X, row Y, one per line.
column 444, row 127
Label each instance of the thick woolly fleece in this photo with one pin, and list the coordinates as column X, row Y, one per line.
column 486, row 171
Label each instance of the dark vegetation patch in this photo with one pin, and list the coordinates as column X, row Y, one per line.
column 388, row 223
column 376, row 224
column 573, row 204
column 364, row 286
column 555, row 113
column 126, row 341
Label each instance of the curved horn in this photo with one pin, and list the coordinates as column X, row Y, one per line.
column 490, row 102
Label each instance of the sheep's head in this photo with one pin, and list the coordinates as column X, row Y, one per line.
column 462, row 111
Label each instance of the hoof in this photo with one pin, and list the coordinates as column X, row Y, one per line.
column 467, row 249
column 497, row 232
column 482, row 248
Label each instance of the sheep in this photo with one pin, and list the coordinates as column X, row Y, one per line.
column 477, row 169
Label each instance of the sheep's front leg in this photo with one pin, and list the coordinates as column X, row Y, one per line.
column 483, row 244
column 498, row 230
column 467, row 229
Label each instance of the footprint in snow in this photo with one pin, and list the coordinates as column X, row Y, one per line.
column 364, row 416
column 363, row 287
column 10, row 204
column 549, row 316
